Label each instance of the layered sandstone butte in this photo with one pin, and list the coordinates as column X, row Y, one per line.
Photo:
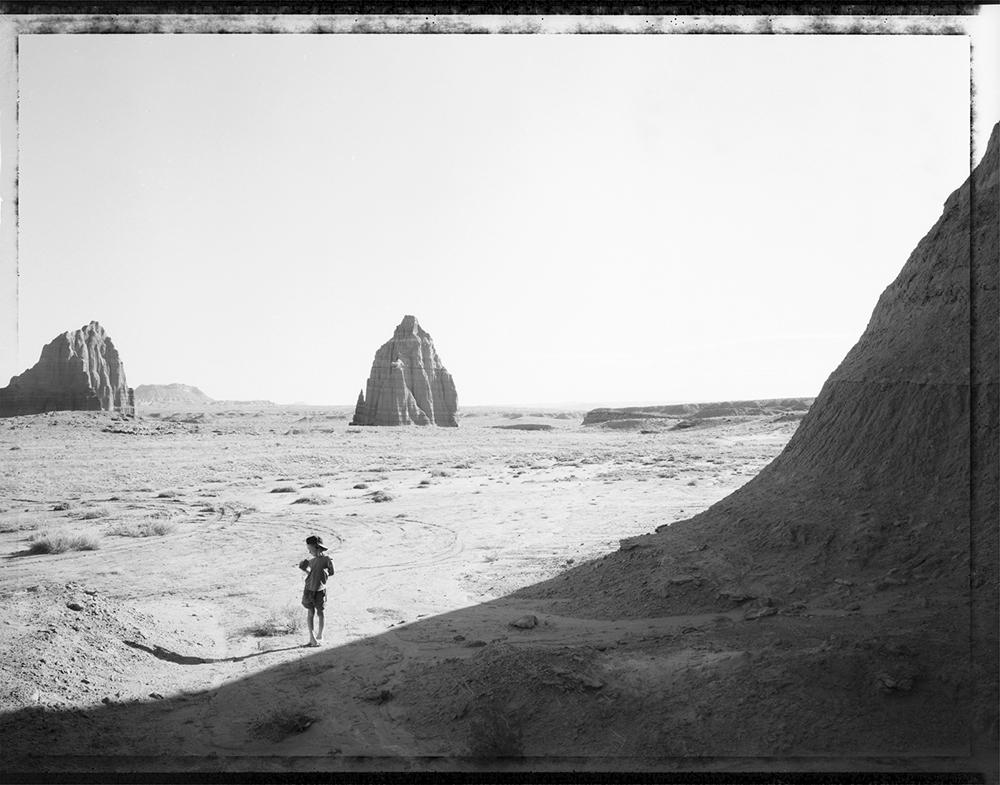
column 170, row 395
column 78, row 370
column 407, row 385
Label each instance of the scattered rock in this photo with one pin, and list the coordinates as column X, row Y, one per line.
column 525, row 622
column 760, row 613
column 889, row 683
column 376, row 695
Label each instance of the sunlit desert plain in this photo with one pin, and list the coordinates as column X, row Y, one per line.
column 183, row 530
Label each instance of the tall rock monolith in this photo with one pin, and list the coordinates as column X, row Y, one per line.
column 78, row 370
column 408, row 384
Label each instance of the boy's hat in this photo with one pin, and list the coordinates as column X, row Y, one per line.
column 316, row 541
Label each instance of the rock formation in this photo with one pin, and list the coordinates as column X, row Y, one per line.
column 78, row 370
column 170, row 395
column 770, row 406
column 886, row 493
column 407, row 385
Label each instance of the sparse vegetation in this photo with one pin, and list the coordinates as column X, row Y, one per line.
column 312, row 498
column 15, row 526
column 44, row 542
column 313, row 485
column 280, row 621
column 60, row 506
column 280, row 724
column 92, row 514
column 168, row 494
column 380, row 496
column 285, row 489
column 146, row 528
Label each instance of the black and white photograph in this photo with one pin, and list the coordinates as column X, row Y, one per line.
column 394, row 393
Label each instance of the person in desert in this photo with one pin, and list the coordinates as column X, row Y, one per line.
column 317, row 570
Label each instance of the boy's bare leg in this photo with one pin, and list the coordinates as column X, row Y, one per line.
column 319, row 631
column 309, row 622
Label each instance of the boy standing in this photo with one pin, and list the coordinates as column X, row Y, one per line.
column 317, row 569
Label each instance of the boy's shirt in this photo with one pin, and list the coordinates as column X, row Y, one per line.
column 316, row 576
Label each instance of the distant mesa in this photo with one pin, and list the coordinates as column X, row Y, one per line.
column 769, row 406
column 186, row 396
column 170, row 395
column 79, row 370
column 408, row 385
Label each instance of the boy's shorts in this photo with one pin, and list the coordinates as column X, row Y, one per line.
column 314, row 600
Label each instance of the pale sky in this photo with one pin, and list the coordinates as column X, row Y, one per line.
column 599, row 219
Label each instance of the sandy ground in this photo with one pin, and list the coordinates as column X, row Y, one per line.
column 148, row 652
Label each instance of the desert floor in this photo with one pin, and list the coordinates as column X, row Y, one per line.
column 178, row 649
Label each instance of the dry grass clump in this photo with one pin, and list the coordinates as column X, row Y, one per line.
column 312, row 498
column 280, row 724
column 314, row 484
column 59, row 507
column 45, row 542
column 280, row 621
column 146, row 528
column 440, row 473
column 285, row 489
column 380, row 496
column 92, row 514
column 168, row 494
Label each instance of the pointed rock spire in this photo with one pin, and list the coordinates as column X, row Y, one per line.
column 408, row 385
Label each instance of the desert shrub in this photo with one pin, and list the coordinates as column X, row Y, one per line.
column 44, row 542
column 168, row 494
column 493, row 733
column 146, row 528
column 380, row 496
column 280, row 621
column 284, row 489
column 313, row 485
column 94, row 514
column 440, row 473
column 280, row 724
column 61, row 506
column 312, row 498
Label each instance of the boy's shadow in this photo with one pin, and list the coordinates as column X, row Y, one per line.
column 182, row 659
